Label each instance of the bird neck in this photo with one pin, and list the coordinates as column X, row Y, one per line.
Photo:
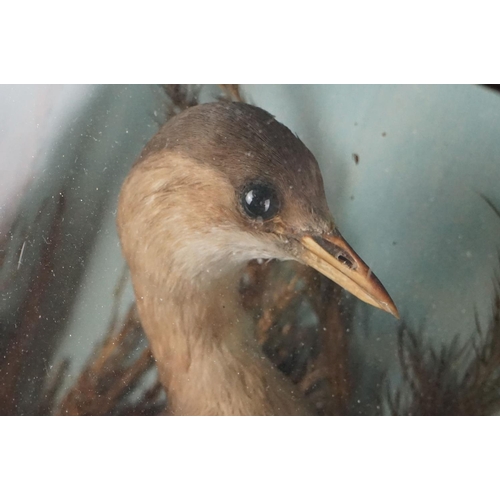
column 206, row 352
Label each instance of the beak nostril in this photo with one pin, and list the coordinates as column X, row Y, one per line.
column 344, row 260
column 336, row 251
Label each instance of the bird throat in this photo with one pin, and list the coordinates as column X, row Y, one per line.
column 207, row 356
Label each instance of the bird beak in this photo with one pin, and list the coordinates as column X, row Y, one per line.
column 332, row 256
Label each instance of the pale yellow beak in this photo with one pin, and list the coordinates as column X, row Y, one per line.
column 332, row 256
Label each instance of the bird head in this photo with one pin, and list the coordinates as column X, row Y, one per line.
column 224, row 183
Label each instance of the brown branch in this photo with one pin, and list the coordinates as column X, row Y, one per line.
column 232, row 92
column 111, row 374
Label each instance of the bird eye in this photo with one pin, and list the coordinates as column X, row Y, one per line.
column 260, row 200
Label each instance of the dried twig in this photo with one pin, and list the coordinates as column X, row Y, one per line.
column 118, row 366
column 457, row 379
column 181, row 97
column 232, row 92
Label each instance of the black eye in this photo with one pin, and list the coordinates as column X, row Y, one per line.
column 260, row 200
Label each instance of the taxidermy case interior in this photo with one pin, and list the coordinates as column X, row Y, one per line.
column 243, row 317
